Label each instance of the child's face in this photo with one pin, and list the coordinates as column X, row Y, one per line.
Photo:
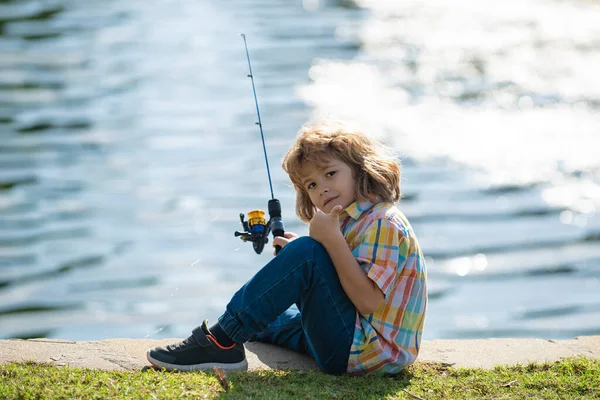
column 329, row 186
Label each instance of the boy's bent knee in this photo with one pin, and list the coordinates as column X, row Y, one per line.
column 304, row 241
column 308, row 247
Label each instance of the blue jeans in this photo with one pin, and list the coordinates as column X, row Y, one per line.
column 296, row 301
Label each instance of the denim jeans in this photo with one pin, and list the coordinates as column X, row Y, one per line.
column 296, row 301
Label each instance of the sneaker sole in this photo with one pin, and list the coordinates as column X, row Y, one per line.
column 231, row 367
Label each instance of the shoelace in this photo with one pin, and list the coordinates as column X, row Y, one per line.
column 180, row 345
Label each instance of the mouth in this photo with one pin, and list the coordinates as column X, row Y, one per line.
column 329, row 200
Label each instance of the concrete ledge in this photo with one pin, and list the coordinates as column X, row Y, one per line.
column 130, row 354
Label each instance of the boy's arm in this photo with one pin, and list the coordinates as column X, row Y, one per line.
column 362, row 291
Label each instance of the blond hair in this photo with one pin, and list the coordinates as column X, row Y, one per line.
column 377, row 174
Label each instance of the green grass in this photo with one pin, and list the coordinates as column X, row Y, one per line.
column 575, row 378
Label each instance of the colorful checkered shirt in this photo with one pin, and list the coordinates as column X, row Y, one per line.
column 386, row 248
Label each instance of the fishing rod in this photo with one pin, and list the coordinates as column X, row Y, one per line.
column 256, row 229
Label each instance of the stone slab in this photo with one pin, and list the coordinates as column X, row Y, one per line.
column 130, row 354
column 487, row 353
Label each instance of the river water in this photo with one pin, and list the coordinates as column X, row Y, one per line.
column 128, row 149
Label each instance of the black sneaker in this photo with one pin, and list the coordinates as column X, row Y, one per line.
column 199, row 351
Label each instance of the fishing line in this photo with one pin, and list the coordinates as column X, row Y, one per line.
column 259, row 122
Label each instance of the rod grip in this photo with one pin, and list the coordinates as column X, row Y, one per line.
column 277, row 227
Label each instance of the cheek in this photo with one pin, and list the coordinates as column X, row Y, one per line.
column 352, row 183
column 353, row 187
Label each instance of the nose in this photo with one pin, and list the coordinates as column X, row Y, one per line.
column 324, row 191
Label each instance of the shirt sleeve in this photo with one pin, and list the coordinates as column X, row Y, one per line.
column 379, row 253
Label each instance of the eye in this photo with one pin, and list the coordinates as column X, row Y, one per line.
column 310, row 185
column 330, row 174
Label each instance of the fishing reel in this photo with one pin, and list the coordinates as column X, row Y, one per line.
column 256, row 229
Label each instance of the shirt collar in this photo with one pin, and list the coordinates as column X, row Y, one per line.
column 356, row 209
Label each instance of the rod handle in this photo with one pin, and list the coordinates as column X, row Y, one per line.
column 277, row 227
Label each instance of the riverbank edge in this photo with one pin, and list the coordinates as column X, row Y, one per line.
column 130, row 354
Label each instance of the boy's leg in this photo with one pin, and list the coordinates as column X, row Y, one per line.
column 286, row 331
column 303, row 274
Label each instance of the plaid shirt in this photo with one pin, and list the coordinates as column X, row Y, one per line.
column 385, row 246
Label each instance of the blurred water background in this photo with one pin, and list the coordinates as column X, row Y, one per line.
column 128, row 149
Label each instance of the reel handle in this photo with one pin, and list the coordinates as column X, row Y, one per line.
column 276, row 222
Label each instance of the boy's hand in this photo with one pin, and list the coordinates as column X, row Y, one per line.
column 323, row 226
column 283, row 240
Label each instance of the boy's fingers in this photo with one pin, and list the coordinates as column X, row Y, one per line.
column 289, row 235
column 280, row 241
column 336, row 211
